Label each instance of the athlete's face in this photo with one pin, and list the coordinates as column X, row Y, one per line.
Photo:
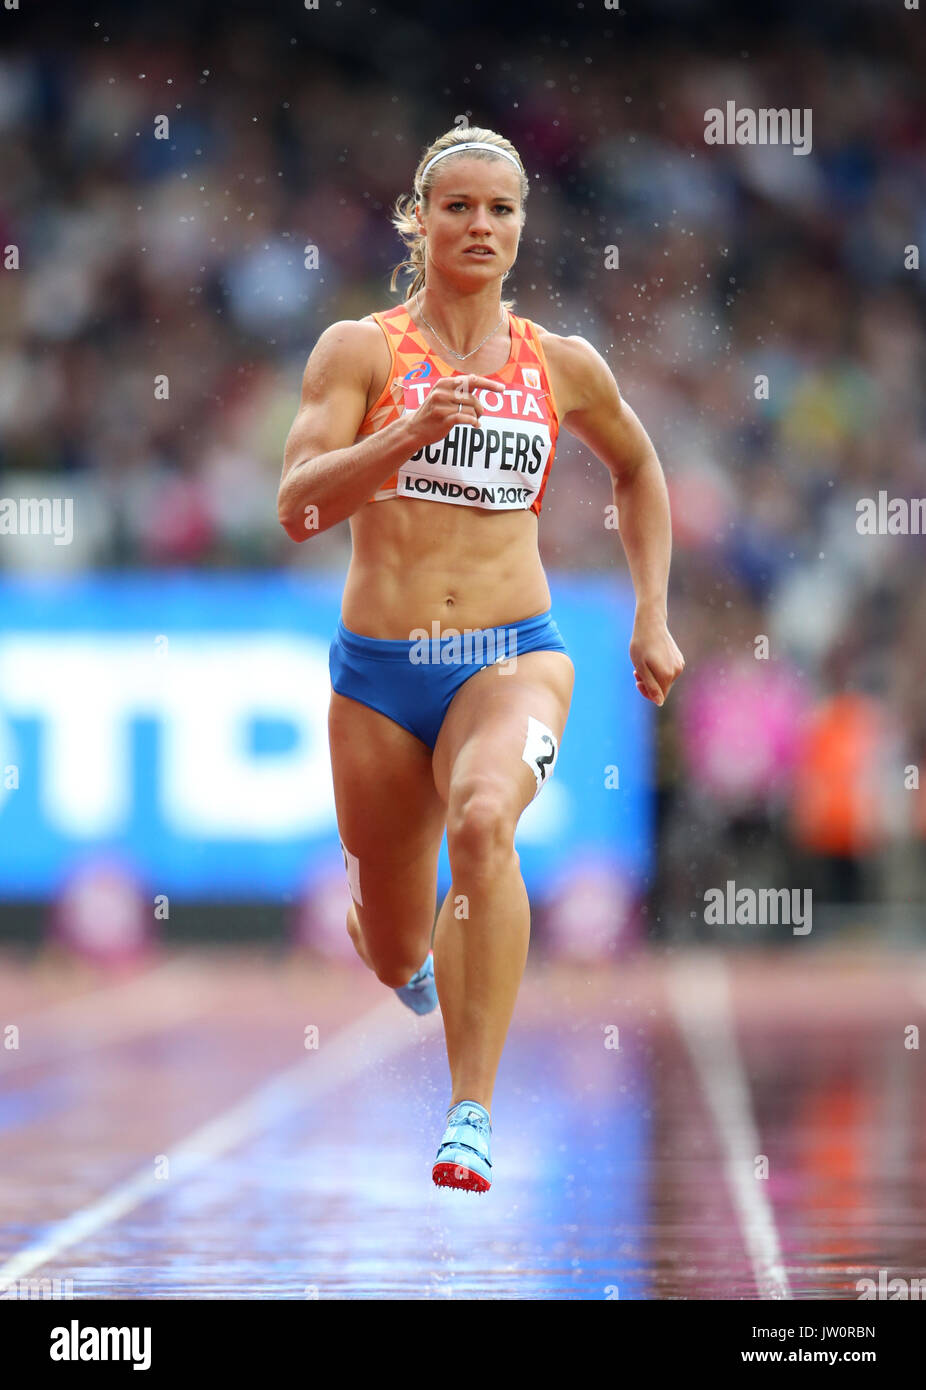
column 473, row 201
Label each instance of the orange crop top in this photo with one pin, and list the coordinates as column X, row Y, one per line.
column 503, row 463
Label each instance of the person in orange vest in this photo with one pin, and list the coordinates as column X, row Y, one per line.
column 838, row 815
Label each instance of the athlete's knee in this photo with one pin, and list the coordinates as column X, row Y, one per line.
column 390, row 960
column 385, row 953
column 481, row 820
column 394, row 973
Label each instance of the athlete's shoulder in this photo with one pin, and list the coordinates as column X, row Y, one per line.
column 574, row 363
column 571, row 350
column 367, row 333
column 351, row 331
column 353, row 346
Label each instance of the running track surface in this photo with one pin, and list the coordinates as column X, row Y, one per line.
column 168, row 1134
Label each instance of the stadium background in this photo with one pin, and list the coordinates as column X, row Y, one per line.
column 185, row 256
column 163, row 678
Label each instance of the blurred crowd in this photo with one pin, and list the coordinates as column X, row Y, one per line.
column 765, row 321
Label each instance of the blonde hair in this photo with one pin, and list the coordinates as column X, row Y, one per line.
column 403, row 214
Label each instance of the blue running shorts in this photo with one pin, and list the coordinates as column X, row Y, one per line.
column 412, row 682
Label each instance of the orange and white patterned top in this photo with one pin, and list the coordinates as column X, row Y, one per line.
column 503, row 463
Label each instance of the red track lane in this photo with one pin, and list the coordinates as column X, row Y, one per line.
column 613, row 1169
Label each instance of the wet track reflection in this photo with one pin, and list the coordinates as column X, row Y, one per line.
column 777, row 1152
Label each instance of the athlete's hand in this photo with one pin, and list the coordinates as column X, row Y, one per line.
column 451, row 401
column 657, row 661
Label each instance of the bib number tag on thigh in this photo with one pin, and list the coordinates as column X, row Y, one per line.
column 352, row 865
column 540, row 750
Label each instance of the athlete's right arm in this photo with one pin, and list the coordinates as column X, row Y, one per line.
column 322, row 466
column 326, row 476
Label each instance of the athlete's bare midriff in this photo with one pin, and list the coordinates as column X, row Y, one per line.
column 415, row 562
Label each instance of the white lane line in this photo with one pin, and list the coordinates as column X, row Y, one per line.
column 377, row 1035
column 699, row 989
column 112, row 1013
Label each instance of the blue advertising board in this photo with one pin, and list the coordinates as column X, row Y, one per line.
column 179, row 722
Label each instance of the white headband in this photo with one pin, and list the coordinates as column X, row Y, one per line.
column 470, row 145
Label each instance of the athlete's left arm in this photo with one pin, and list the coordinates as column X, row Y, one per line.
column 600, row 417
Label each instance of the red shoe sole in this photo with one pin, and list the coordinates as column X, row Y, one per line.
column 455, row 1175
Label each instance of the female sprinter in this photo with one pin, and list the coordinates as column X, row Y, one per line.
column 432, row 427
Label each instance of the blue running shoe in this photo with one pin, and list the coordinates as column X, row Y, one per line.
column 463, row 1157
column 420, row 993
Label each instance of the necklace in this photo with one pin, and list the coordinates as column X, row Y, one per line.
column 460, row 356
